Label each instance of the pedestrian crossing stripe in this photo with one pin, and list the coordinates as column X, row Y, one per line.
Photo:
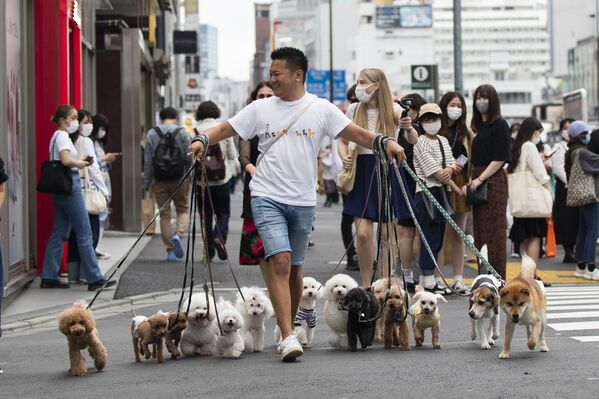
column 550, row 276
column 580, row 303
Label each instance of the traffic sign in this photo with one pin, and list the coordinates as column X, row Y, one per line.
column 422, row 76
column 318, row 83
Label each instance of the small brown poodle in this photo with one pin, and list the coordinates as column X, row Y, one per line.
column 148, row 331
column 79, row 326
column 394, row 318
column 177, row 322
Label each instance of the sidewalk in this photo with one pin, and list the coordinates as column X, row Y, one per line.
column 34, row 301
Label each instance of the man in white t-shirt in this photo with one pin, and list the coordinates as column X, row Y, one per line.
column 291, row 126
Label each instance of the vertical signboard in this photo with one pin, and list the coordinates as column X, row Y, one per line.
column 318, row 83
column 14, row 163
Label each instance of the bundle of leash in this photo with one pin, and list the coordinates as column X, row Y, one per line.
column 374, row 314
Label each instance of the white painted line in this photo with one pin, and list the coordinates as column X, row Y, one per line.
column 574, row 301
column 580, row 325
column 587, row 338
column 573, row 315
column 572, row 307
column 573, row 296
column 572, row 289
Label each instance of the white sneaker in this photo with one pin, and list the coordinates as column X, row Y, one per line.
column 290, row 349
column 459, row 287
column 588, row 275
column 580, row 272
column 595, row 275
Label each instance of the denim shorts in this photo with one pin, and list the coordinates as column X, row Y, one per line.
column 283, row 228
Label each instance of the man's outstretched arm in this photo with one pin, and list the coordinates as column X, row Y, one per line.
column 213, row 136
column 366, row 138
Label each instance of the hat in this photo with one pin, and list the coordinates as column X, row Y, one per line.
column 577, row 128
column 429, row 108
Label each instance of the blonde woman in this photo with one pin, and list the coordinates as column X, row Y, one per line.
column 376, row 112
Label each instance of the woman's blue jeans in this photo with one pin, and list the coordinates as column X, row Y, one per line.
column 588, row 232
column 70, row 213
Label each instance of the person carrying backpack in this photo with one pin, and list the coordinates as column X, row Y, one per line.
column 165, row 163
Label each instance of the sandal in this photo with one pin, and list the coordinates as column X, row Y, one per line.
column 438, row 289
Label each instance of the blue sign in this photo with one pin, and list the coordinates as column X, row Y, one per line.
column 318, row 83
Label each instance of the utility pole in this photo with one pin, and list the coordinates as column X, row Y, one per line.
column 457, row 46
column 331, row 94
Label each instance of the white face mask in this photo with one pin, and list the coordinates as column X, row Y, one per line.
column 73, row 126
column 536, row 140
column 432, row 128
column 101, row 133
column 87, row 129
column 482, row 106
column 361, row 94
column 454, row 113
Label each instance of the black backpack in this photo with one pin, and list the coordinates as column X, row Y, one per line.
column 168, row 160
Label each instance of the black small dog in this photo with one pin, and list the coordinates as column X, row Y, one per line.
column 362, row 306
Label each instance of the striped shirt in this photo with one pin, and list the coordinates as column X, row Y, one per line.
column 306, row 314
column 428, row 159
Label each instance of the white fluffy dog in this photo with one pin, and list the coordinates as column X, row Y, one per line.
column 334, row 293
column 200, row 335
column 307, row 311
column 256, row 309
column 230, row 343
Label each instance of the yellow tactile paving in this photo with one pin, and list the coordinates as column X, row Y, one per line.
column 550, row 276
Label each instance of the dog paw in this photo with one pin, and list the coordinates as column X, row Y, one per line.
column 544, row 348
column 492, row 342
column 531, row 344
column 485, row 346
column 79, row 371
column 473, row 336
column 504, row 355
column 495, row 336
column 405, row 348
column 436, row 346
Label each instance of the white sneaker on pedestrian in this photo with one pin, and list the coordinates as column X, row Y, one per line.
column 459, row 287
column 595, row 275
column 588, row 275
column 580, row 272
column 290, row 349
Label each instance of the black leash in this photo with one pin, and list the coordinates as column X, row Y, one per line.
column 126, row 255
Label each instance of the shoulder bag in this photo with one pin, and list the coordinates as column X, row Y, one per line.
column 581, row 186
column 95, row 202
column 347, row 178
column 440, row 194
column 527, row 197
column 55, row 178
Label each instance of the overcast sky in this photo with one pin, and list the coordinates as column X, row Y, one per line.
column 236, row 44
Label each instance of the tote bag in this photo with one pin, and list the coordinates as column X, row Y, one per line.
column 527, row 197
column 345, row 181
column 94, row 200
column 55, row 178
column 581, row 186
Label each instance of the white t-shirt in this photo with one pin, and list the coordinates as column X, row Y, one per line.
column 287, row 173
column 62, row 142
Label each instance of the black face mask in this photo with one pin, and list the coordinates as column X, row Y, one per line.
column 594, row 143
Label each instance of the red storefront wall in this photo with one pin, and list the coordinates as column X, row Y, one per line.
column 57, row 81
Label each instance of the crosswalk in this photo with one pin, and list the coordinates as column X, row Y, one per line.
column 574, row 311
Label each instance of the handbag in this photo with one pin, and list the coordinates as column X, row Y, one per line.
column 526, row 196
column 440, row 194
column 345, row 181
column 215, row 163
column 94, row 200
column 581, row 186
column 478, row 197
column 55, row 178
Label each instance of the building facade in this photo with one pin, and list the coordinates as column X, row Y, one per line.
column 208, row 51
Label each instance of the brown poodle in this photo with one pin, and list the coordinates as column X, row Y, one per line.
column 148, row 331
column 177, row 322
column 394, row 317
column 79, row 326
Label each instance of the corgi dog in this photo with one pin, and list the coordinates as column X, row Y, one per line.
column 523, row 301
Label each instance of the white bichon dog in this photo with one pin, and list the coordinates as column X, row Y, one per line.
column 256, row 309
column 200, row 335
column 334, row 292
column 230, row 343
column 307, row 311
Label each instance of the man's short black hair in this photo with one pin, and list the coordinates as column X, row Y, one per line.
column 168, row 113
column 294, row 58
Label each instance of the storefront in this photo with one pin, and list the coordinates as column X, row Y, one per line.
column 17, row 146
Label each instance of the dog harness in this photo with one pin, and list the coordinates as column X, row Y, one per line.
column 309, row 315
column 486, row 280
column 137, row 320
column 424, row 322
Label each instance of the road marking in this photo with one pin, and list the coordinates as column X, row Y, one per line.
column 573, row 296
column 575, row 326
column 574, row 301
column 587, row 338
column 572, row 307
column 573, row 315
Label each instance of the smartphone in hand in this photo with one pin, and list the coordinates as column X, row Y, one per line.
column 462, row 160
column 89, row 159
